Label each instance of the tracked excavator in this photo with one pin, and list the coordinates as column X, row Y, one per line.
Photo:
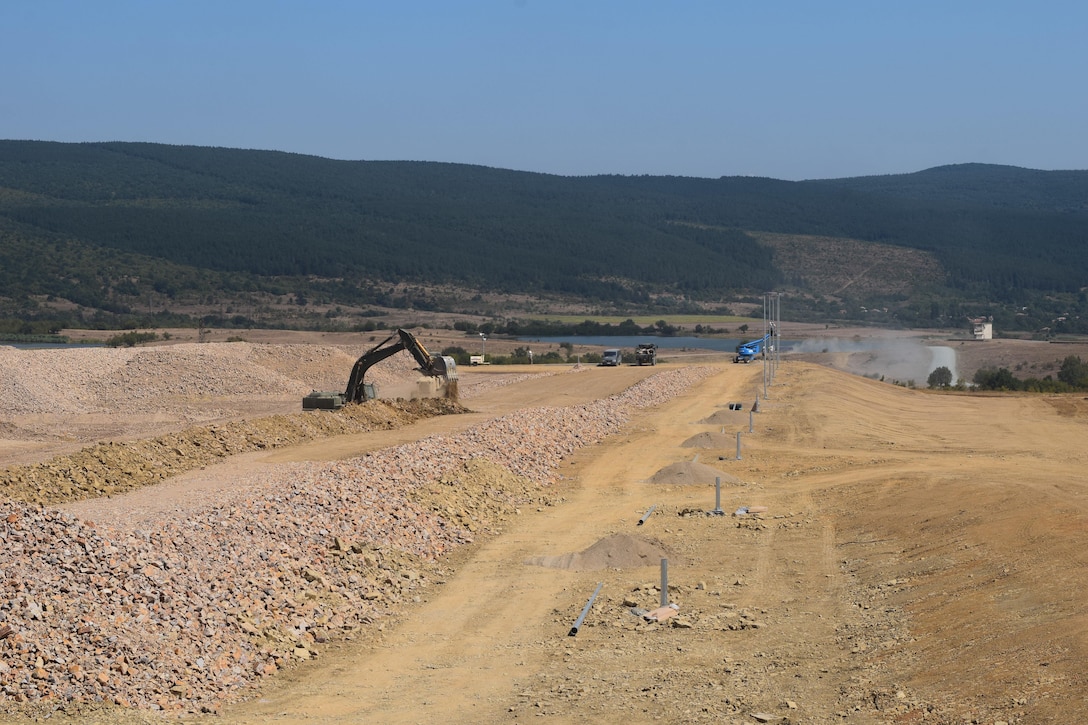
column 439, row 375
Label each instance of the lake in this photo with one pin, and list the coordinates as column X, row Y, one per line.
column 723, row 344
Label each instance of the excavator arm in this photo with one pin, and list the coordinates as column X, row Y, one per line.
column 355, row 392
column 438, row 367
column 431, row 365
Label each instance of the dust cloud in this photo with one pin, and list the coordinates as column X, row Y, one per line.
column 894, row 360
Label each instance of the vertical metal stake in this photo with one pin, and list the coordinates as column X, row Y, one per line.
column 717, row 493
column 664, row 582
column 750, row 414
column 738, row 445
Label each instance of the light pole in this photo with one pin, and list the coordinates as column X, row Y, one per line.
column 765, row 301
column 483, row 345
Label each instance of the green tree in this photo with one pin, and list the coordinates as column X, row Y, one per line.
column 458, row 353
column 1000, row 379
column 1074, row 372
column 940, row 378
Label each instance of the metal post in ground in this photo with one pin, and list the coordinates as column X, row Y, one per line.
column 664, row 582
column 738, row 445
column 718, row 497
column 750, row 414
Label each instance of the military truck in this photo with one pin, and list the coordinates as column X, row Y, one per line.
column 646, row 353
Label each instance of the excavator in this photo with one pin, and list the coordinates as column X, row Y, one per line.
column 440, row 373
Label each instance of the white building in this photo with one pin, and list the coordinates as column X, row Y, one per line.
column 983, row 328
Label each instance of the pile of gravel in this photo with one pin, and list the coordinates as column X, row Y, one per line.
column 155, row 379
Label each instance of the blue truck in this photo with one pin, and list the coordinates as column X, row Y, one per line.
column 747, row 351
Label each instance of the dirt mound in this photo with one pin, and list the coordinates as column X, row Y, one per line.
column 619, row 551
column 709, row 440
column 688, row 472
column 726, row 417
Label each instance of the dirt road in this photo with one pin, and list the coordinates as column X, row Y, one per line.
column 489, row 630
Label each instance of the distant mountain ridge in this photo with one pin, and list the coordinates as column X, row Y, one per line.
column 105, row 223
column 989, row 185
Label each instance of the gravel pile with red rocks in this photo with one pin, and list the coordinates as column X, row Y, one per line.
column 185, row 615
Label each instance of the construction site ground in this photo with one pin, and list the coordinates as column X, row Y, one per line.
column 921, row 558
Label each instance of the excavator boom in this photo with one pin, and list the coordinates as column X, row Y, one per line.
column 433, row 366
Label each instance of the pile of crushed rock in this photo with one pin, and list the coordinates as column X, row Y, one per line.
column 151, row 379
column 189, row 614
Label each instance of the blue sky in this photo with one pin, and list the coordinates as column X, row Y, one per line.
column 791, row 90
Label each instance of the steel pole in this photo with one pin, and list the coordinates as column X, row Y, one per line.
column 585, row 610
column 664, row 582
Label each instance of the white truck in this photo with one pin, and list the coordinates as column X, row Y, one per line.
column 611, row 358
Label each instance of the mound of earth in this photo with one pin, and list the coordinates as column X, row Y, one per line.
column 689, row 472
column 619, row 551
column 724, row 417
column 709, row 440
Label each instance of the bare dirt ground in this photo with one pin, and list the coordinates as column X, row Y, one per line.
column 921, row 559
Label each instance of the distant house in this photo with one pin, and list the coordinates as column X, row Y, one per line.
column 982, row 327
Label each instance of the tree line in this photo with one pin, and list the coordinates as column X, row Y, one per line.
column 1072, row 377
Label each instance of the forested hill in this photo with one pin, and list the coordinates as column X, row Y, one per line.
column 92, row 221
column 981, row 185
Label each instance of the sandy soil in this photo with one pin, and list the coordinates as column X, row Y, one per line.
column 921, row 560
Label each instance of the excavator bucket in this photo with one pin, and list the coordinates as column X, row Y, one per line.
column 447, row 370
